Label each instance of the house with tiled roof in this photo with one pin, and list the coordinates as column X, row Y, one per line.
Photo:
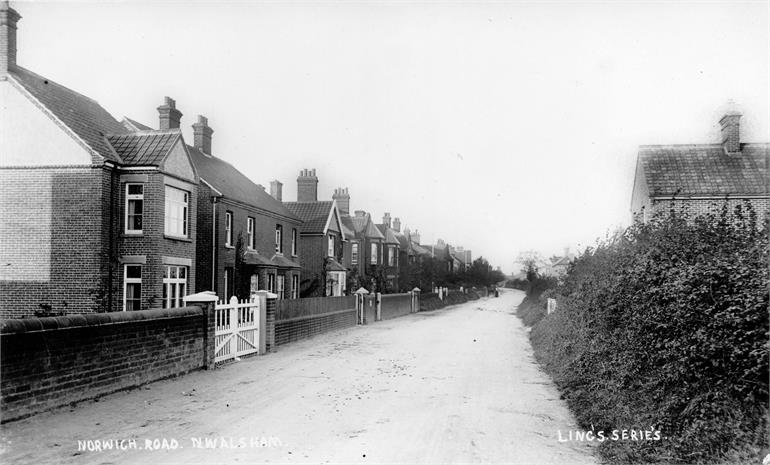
column 697, row 178
column 94, row 217
column 390, row 252
column 322, row 240
column 363, row 254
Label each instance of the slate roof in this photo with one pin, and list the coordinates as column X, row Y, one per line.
column 133, row 125
column 334, row 265
column 144, row 148
column 313, row 214
column 693, row 170
column 420, row 250
column 82, row 115
column 234, row 185
column 252, row 257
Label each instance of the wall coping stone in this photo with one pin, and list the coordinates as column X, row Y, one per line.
column 34, row 324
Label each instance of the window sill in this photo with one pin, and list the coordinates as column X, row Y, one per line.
column 177, row 238
column 229, row 246
column 132, row 234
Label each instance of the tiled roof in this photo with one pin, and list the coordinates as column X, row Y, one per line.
column 334, row 265
column 133, row 125
column 235, row 185
column 388, row 233
column 313, row 214
column 82, row 115
column 684, row 170
column 363, row 225
column 372, row 232
column 252, row 257
column 420, row 250
column 403, row 241
column 282, row 262
column 144, row 148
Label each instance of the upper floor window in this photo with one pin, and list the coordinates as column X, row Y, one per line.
column 134, row 208
column 294, row 242
column 279, row 238
column 132, row 288
column 229, row 229
column 177, row 202
column 374, row 254
column 250, row 231
column 354, row 253
column 330, row 246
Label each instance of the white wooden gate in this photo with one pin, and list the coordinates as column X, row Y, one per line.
column 236, row 329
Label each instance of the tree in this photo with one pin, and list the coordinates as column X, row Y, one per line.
column 529, row 260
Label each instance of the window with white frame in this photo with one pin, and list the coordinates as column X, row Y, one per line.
column 330, row 246
column 228, row 229
column 396, row 251
column 294, row 242
column 177, row 202
column 279, row 287
column 295, row 286
column 174, row 285
column 354, row 253
column 271, row 282
column 279, row 238
column 132, row 287
column 391, row 254
column 134, row 208
column 374, row 254
column 250, row 231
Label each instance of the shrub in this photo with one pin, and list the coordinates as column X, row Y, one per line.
column 665, row 326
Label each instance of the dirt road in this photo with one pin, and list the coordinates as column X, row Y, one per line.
column 456, row 385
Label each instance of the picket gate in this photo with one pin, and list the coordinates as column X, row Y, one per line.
column 236, row 330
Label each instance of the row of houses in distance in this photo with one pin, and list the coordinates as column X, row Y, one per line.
column 98, row 214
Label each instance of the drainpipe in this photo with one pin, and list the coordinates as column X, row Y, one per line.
column 213, row 243
column 111, row 239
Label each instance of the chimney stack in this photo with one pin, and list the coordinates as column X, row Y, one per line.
column 397, row 225
column 360, row 213
column 276, row 190
column 8, row 19
column 416, row 236
column 307, row 186
column 386, row 219
column 342, row 197
column 731, row 131
column 202, row 135
column 169, row 115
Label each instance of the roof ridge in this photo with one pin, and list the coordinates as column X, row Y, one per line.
column 150, row 132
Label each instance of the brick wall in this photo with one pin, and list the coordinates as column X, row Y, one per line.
column 702, row 206
column 295, row 329
column 54, row 247
column 54, row 361
column 396, row 305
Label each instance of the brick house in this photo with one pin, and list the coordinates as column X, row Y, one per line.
column 390, row 252
column 322, row 240
column 233, row 208
column 696, row 178
column 363, row 251
column 93, row 216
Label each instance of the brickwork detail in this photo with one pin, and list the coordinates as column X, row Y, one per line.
column 296, row 329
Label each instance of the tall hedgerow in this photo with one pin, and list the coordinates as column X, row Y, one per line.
column 665, row 327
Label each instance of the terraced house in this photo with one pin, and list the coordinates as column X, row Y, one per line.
column 95, row 215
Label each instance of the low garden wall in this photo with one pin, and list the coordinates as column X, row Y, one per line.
column 395, row 305
column 298, row 319
column 54, row 361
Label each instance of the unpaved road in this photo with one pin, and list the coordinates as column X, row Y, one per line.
column 456, row 385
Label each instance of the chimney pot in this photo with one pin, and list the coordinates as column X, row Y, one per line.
column 360, row 213
column 397, row 225
column 8, row 19
column 343, row 200
column 202, row 135
column 386, row 219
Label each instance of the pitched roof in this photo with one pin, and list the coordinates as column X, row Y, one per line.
column 313, row 214
column 282, row 262
column 144, row 148
column 388, row 233
column 133, row 125
column 252, row 257
column 82, row 115
column 334, row 265
column 705, row 169
column 347, row 223
column 364, row 225
column 233, row 184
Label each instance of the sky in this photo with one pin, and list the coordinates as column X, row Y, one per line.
column 498, row 126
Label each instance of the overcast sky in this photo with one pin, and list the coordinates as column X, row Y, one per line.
column 502, row 127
